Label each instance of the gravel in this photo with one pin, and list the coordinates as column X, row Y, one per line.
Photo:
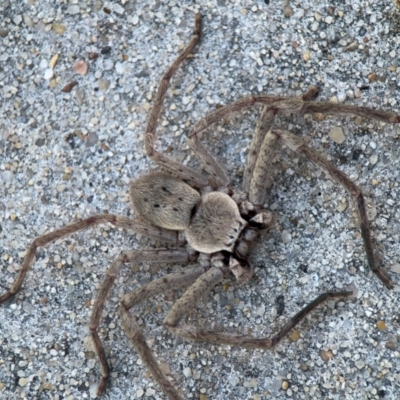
column 69, row 154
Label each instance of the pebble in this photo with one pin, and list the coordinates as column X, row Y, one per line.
column 120, row 68
column 118, row 8
column 341, row 96
column 103, row 84
column 341, row 207
column 373, row 77
column 135, row 19
column 79, row 96
column 336, row 134
column 53, row 61
column 28, row 21
column 73, row 10
column 286, row 236
column 3, row 32
column 351, row 47
column 48, row 74
column 81, row 67
column 295, row 335
column 381, row 325
column 108, row 65
column 92, row 139
column 59, row 28
column 22, row 382
column 373, row 159
column 396, row 268
column 360, row 364
column 69, row 86
column 17, row 19
column 392, row 343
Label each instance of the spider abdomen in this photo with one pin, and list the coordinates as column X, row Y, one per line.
column 163, row 200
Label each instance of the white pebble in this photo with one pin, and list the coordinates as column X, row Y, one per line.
column 73, row 10
column 48, row 74
column 120, row 68
column 373, row 159
column 286, row 236
column 135, row 19
column 341, row 97
column 118, row 9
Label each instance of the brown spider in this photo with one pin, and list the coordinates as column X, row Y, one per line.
column 218, row 225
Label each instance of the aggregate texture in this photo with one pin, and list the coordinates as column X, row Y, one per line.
column 67, row 155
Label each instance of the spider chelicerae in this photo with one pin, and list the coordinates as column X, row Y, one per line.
column 207, row 221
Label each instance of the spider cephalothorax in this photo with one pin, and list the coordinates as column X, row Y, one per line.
column 218, row 225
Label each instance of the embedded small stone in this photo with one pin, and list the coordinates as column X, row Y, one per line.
column 3, row 32
column 22, row 382
column 285, row 385
column 286, row 236
column 342, row 206
column 103, row 84
column 17, row 19
column 81, row 67
column 73, row 10
column 295, row 335
column 373, row 159
column 373, row 77
column 69, row 86
column 59, row 28
column 381, row 325
column 92, row 139
column 337, row 135
column 105, row 50
column 341, row 97
column 351, row 47
column 28, row 20
column 48, row 74
column 80, row 96
column 326, row 355
column 360, row 364
column 392, row 343
column 318, row 117
column 120, row 68
column 288, row 11
column 396, row 268
column 53, row 61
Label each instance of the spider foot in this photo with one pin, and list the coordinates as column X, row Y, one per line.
column 242, row 271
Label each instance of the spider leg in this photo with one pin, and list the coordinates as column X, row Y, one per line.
column 209, row 162
column 292, row 105
column 185, row 173
column 170, row 255
column 262, row 170
column 118, row 221
column 264, row 124
column 202, row 286
column 132, row 329
column 297, row 145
